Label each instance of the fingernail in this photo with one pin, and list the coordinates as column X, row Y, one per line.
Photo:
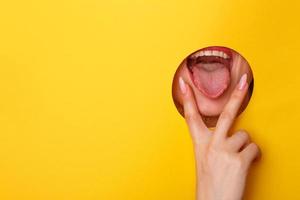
column 242, row 82
column 182, row 85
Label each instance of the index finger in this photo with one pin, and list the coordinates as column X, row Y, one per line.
column 231, row 109
column 192, row 116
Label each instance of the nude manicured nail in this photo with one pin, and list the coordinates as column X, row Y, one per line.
column 182, row 85
column 242, row 82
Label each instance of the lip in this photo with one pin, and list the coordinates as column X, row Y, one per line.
column 225, row 50
column 218, row 48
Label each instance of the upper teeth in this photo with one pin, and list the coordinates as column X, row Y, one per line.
column 211, row 53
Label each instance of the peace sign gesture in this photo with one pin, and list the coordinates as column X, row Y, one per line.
column 222, row 162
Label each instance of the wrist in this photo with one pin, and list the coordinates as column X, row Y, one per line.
column 206, row 190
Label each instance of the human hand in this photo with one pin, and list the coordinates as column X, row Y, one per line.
column 222, row 161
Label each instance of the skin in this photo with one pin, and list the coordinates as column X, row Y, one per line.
column 222, row 161
column 211, row 109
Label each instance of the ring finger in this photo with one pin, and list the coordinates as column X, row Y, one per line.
column 238, row 140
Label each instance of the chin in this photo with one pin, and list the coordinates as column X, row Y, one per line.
column 213, row 110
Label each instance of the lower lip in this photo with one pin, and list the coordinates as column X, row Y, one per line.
column 217, row 48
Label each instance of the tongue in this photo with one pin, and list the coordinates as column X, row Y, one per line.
column 212, row 79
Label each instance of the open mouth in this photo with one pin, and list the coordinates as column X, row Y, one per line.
column 210, row 70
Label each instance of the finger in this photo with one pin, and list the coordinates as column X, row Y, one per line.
column 250, row 153
column 192, row 116
column 230, row 111
column 238, row 140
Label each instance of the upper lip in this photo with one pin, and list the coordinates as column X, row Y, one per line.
column 222, row 52
column 211, row 53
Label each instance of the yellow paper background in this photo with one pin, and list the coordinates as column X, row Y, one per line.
column 85, row 95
